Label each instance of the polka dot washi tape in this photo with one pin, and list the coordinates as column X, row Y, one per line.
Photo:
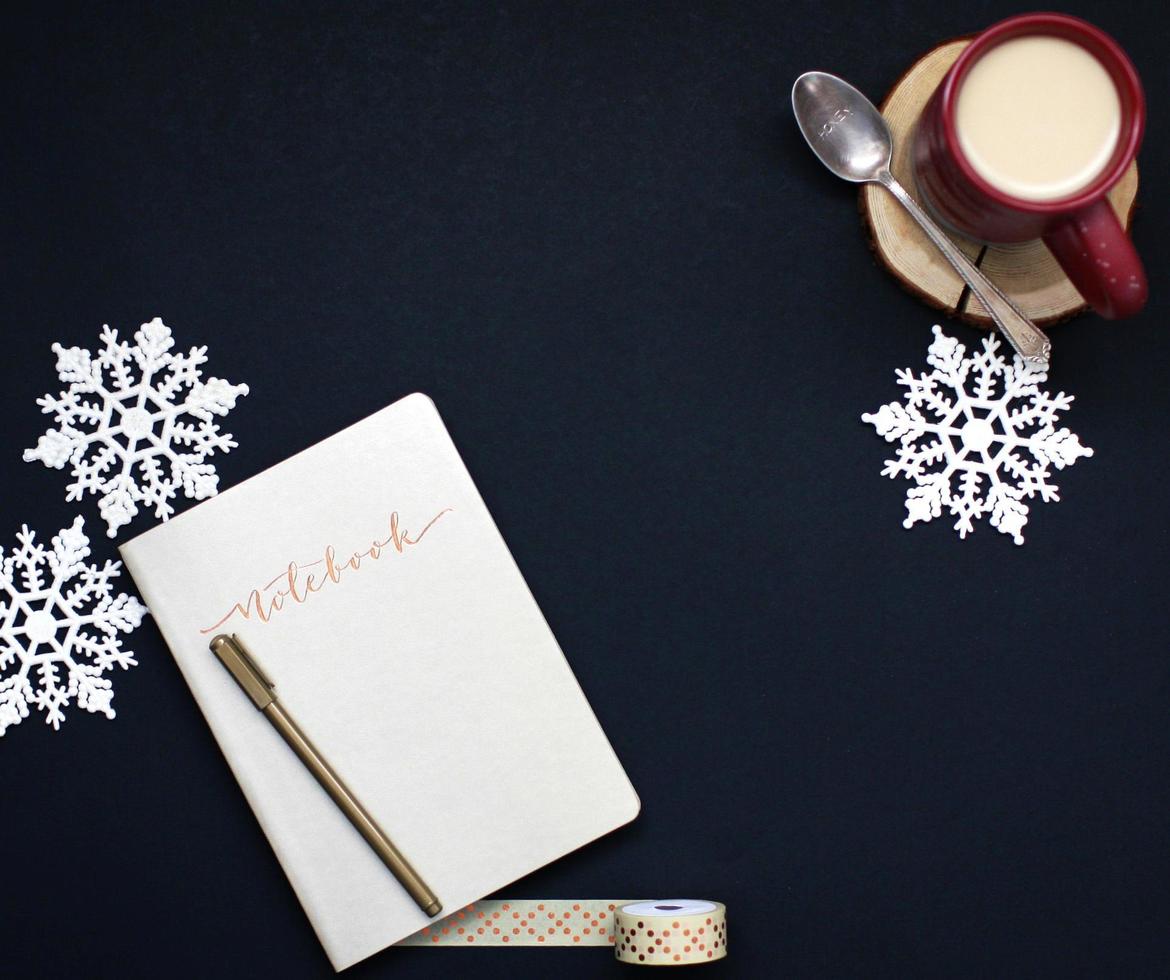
column 663, row 932
column 524, row 922
column 671, row 932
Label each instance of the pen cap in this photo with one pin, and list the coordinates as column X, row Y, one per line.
column 235, row 657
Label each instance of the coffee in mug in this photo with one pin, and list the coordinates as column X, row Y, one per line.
column 1038, row 117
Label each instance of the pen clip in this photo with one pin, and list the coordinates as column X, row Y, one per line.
column 246, row 656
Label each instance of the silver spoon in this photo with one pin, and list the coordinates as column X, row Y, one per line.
column 851, row 138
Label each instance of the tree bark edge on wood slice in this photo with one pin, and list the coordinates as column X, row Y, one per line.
column 1027, row 272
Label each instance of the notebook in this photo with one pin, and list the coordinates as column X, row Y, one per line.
column 369, row 581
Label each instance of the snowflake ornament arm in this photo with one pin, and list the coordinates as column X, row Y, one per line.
column 120, row 423
column 59, row 626
column 977, row 436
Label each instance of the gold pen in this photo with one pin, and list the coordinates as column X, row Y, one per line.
column 260, row 689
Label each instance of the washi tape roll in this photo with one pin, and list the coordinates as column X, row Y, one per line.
column 670, row 932
column 665, row 932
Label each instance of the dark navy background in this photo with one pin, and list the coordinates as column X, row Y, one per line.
column 593, row 235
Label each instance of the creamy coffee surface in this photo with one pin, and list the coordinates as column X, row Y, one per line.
column 1038, row 117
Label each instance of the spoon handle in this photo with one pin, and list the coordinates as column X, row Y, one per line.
column 1021, row 333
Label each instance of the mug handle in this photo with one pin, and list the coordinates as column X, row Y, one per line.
column 1097, row 255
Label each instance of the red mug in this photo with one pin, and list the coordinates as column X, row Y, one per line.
column 1081, row 230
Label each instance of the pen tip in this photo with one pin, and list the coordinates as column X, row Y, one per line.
column 433, row 909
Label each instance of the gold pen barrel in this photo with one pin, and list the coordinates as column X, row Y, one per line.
column 254, row 682
column 365, row 824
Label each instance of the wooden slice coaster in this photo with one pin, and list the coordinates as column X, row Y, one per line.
column 1027, row 272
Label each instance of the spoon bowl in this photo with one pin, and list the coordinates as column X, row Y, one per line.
column 842, row 127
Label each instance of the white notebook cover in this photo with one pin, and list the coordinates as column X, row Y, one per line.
column 424, row 672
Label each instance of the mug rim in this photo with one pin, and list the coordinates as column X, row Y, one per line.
column 1122, row 72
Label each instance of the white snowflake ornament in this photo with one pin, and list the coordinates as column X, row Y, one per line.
column 60, row 614
column 977, row 437
column 136, row 423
